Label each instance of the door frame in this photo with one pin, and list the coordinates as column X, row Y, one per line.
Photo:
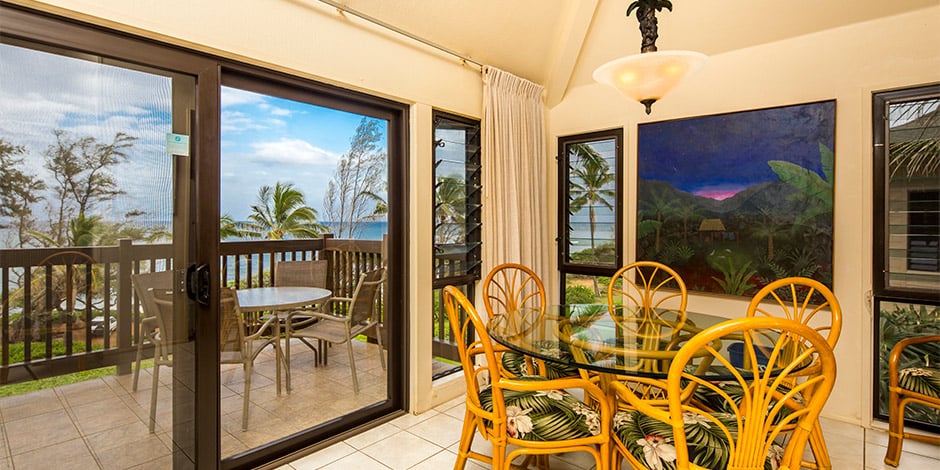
column 44, row 28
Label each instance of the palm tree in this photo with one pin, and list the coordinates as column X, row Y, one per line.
column 281, row 211
column 664, row 208
column 228, row 228
column 589, row 185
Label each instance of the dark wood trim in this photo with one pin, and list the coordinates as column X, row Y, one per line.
column 565, row 266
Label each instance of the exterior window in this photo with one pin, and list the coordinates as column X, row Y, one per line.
column 906, row 130
column 590, row 220
column 456, row 224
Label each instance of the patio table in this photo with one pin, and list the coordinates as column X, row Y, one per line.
column 279, row 299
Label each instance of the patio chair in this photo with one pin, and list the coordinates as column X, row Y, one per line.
column 241, row 343
column 809, row 302
column 917, row 382
column 528, row 415
column 508, row 289
column 747, row 430
column 307, row 273
column 148, row 328
column 360, row 316
column 162, row 338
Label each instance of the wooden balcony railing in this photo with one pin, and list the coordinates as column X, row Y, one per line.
column 49, row 296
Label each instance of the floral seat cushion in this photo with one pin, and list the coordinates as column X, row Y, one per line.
column 923, row 380
column 709, row 399
column 515, row 363
column 545, row 415
column 650, row 441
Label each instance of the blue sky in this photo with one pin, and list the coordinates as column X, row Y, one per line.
column 267, row 139
column 264, row 139
column 717, row 156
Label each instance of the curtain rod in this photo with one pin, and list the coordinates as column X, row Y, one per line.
column 376, row 21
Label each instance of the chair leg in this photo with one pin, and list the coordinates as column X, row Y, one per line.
column 286, row 351
column 817, row 444
column 895, row 429
column 245, row 400
column 140, row 352
column 378, row 338
column 466, row 440
column 352, row 365
column 153, row 395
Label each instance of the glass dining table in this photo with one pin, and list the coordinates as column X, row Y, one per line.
column 625, row 340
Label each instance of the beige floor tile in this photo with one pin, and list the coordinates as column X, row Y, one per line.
column 40, row 431
column 358, row 461
column 401, row 450
column 376, row 434
column 53, row 456
column 323, row 457
column 441, row 429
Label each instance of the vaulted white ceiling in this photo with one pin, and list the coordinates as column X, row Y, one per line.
column 558, row 43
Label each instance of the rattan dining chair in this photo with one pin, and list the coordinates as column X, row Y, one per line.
column 749, row 432
column 148, row 331
column 812, row 303
column 651, row 297
column 910, row 382
column 361, row 315
column 241, row 344
column 511, row 288
column 520, row 416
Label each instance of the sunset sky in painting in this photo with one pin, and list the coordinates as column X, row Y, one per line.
column 718, row 156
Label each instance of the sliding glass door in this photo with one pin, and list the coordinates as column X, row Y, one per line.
column 97, row 152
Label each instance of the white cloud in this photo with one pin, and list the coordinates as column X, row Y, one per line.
column 293, row 151
column 275, row 110
column 236, row 97
column 237, row 121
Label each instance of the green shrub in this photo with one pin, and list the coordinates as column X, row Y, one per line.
column 579, row 295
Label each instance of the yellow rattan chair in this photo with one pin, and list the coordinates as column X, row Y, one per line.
column 651, row 299
column 809, row 302
column 510, row 289
column 910, row 385
column 746, row 435
column 520, row 416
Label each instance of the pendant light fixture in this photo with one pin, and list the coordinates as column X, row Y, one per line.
column 648, row 76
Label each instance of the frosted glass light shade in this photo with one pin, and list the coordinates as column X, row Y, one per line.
column 647, row 77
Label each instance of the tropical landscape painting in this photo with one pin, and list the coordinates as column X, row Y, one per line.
column 735, row 201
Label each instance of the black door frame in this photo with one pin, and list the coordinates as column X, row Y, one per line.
column 40, row 27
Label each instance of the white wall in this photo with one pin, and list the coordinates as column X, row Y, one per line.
column 846, row 64
column 309, row 39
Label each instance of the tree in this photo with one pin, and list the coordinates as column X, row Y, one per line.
column 80, row 168
column 19, row 190
column 450, row 197
column 664, row 208
column 350, row 198
column 281, row 211
column 589, row 186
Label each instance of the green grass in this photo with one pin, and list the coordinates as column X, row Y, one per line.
column 60, row 380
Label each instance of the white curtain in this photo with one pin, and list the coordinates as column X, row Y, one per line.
column 514, row 177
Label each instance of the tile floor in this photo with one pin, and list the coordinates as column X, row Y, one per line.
column 429, row 441
column 95, row 422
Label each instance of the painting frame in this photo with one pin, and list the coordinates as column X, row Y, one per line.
column 733, row 201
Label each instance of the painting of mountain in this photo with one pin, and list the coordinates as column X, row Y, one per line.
column 735, row 201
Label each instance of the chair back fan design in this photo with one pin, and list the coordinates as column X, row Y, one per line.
column 811, row 303
column 801, row 299
column 747, row 413
column 649, row 300
column 511, row 287
column 530, row 416
column 310, row 273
